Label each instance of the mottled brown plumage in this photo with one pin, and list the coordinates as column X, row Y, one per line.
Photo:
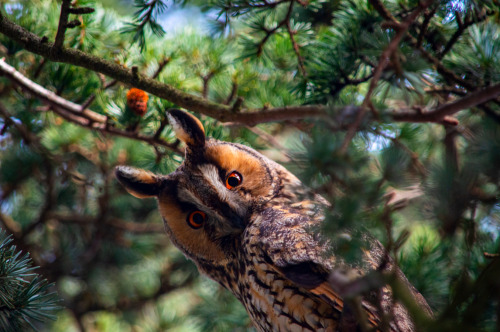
column 247, row 223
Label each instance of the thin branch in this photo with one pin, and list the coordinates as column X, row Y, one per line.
column 441, row 69
column 72, row 112
column 161, row 65
column 382, row 64
column 63, row 25
column 418, row 166
column 221, row 112
column 291, row 33
column 462, row 26
column 380, row 8
column 249, row 6
column 296, row 49
column 206, row 79
column 425, row 24
column 48, row 96
column 91, row 99
column 490, row 113
column 232, row 94
column 437, row 115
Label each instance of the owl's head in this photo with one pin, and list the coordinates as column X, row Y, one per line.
column 210, row 199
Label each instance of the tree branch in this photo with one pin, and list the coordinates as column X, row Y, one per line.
column 437, row 115
column 462, row 26
column 380, row 8
column 221, row 112
column 382, row 64
column 63, row 25
column 73, row 112
column 48, row 96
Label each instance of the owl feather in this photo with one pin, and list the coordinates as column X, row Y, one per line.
column 251, row 225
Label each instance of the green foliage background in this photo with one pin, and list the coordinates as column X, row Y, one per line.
column 60, row 202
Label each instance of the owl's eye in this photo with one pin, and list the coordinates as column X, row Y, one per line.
column 234, row 179
column 196, row 219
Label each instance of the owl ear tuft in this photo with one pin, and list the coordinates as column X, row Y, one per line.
column 138, row 182
column 187, row 128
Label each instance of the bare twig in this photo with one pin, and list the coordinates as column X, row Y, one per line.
column 232, row 94
column 462, row 26
column 91, row 99
column 437, row 115
column 425, row 24
column 295, row 46
column 419, row 167
column 380, row 8
column 161, row 65
column 490, row 113
column 206, row 79
column 48, row 96
column 63, row 25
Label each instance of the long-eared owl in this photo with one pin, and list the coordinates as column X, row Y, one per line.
column 246, row 222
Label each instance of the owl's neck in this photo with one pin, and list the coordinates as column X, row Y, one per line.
column 226, row 273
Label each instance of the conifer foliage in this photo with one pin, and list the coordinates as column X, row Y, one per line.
column 25, row 298
column 388, row 109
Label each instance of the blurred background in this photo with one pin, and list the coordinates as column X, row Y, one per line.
column 107, row 262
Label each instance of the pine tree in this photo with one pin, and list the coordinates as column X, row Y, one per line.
column 25, row 298
column 358, row 98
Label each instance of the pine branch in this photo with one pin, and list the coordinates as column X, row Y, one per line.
column 295, row 46
column 402, row 28
column 380, row 8
column 217, row 111
column 462, row 27
column 240, row 8
column 438, row 114
column 25, row 298
column 48, row 96
column 425, row 25
column 73, row 112
column 146, row 16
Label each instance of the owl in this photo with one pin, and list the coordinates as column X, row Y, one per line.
column 247, row 223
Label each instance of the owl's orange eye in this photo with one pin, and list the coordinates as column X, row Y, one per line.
column 233, row 180
column 196, row 219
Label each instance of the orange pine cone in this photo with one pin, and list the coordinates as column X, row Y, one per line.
column 137, row 101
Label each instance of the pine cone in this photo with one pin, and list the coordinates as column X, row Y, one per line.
column 137, row 101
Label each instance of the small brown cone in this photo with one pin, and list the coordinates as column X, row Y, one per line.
column 137, row 101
